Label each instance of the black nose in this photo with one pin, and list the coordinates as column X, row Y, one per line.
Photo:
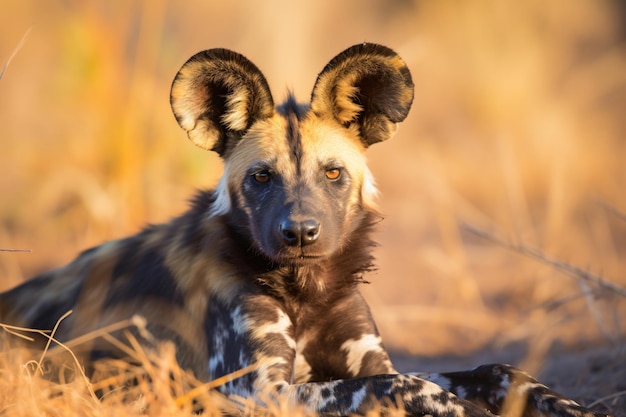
column 302, row 233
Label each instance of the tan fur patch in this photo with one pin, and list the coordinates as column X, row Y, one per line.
column 325, row 140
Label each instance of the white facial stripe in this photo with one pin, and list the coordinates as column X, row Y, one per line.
column 222, row 203
column 369, row 191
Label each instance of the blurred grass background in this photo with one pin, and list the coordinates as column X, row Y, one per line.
column 518, row 128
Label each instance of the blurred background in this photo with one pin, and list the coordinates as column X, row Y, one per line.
column 517, row 132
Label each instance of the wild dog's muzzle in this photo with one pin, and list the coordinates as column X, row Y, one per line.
column 299, row 233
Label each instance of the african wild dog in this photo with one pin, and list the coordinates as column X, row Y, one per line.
column 264, row 269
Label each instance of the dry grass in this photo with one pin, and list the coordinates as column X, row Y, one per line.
column 517, row 129
column 52, row 382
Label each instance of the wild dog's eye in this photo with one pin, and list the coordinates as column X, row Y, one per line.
column 261, row 176
column 333, row 173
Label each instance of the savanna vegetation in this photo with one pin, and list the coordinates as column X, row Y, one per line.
column 504, row 236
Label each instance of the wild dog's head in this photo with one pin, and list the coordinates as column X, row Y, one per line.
column 295, row 177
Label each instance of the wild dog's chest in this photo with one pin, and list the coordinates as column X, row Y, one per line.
column 316, row 343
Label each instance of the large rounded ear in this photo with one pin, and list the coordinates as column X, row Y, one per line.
column 217, row 95
column 367, row 86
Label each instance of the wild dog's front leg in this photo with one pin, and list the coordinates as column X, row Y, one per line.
column 251, row 330
column 342, row 368
column 503, row 388
column 340, row 343
column 254, row 330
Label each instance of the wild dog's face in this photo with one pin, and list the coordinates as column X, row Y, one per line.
column 295, row 176
column 301, row 186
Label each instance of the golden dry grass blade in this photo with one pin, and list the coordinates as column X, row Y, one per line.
column 191, row 395
column 49, row 335
column 107, row 330
column 51, row 338
column 15, row 331
column 15, row 51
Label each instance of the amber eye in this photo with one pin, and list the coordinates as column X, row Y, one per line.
column 261, row 176
column 333, row 173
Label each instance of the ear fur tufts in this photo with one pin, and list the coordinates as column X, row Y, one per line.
column 367, row 86
column 217, row 95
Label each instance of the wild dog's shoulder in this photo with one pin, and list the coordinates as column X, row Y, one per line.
column 162, row 259
column 150, row 263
